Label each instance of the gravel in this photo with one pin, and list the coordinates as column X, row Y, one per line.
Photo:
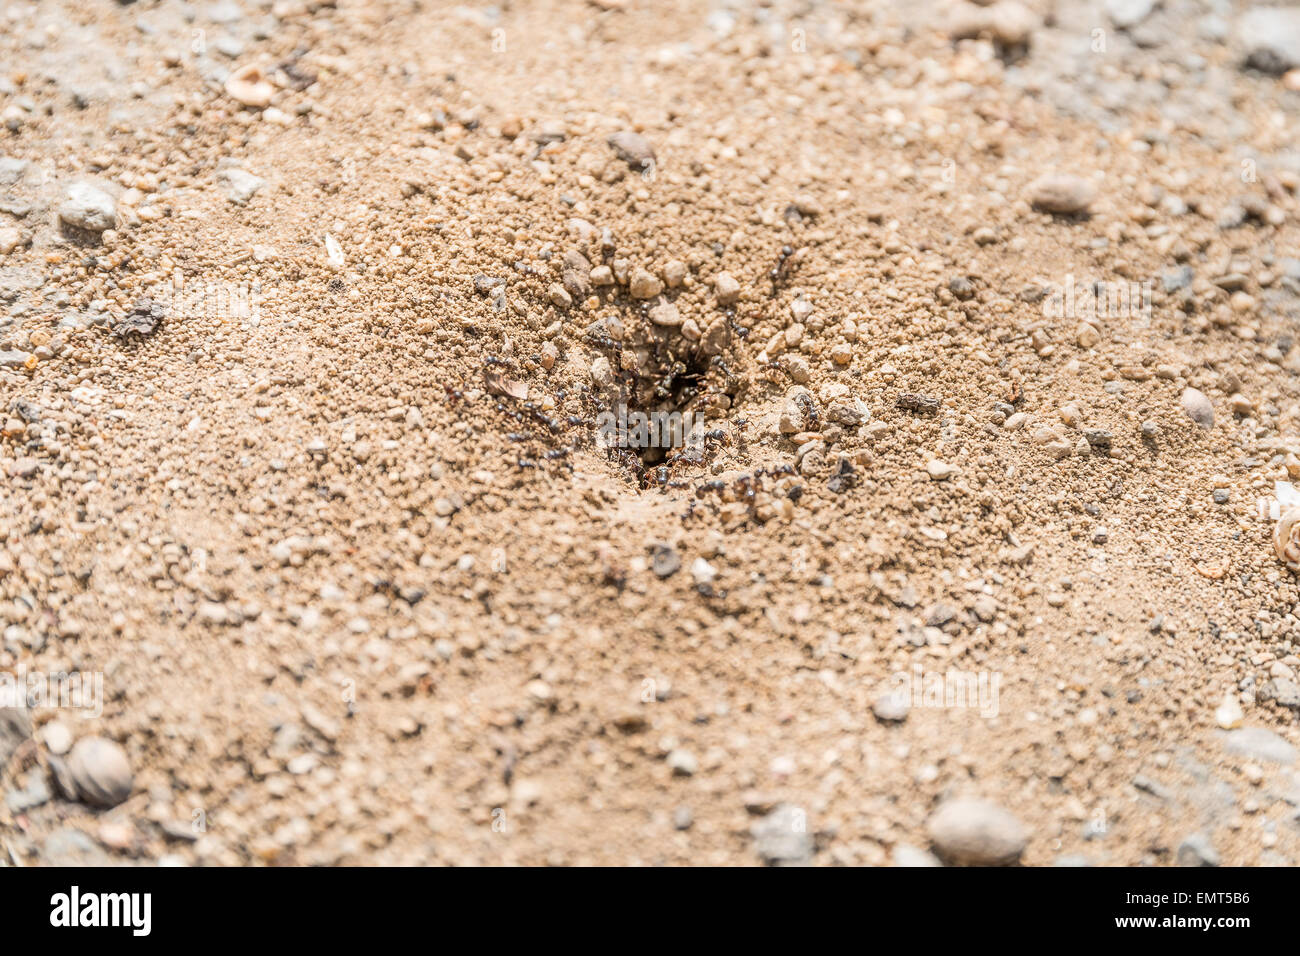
column 333, row 495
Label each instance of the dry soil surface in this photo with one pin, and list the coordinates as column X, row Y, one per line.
column 309, row 314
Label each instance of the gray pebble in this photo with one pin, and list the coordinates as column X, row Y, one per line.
column 1271, row 38
column 100, row 771
column 11, row 170
column 1099, row 440
column 1198, row 407
column 665, row 561
column 907, row 855
column 14, row 358
column 88, row 207
column 782, row 839
column 683, row 763
column 977, row 832
column 1196, row 850
column 1259, row 743
column 633, row 148
column 69, row 847
column 36, row 794
column 1282, row 691
column 239, row 185
column 15, row 728
column 1061, row 193
column 891, row 706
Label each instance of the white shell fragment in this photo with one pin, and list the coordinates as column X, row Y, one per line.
column 250, row 87
column 334, row 252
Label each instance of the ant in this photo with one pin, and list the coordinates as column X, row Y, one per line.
column 781, row 271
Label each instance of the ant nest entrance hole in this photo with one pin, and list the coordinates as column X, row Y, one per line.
column 663, row 387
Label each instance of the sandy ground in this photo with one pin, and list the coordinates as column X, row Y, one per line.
column 302, row 467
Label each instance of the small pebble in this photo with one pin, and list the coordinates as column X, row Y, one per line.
column 726, row 288
column 1061, row 193
column 88, row 207
column 976, row 832
column 100, row 771
column 1198, row 408
column 664, row 560
column 644, row 285
column 633, row 148
column 940, row 470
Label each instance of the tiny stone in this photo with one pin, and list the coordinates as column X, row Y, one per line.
column 702, row 572
column 940, row 470
column 240, row 185
column 726, row 288
column 58, row 738
column 781, row 837
column 907, row 855
column 644, row 285
column 915, row 402
column 1198, row 408
column 1196, row 850
column 88, row 207
column 10, row 239
column 1061, row 193
column 633, row 148
column 100, row 771
column 683, row 763
column 1229, row 714
column 977, row 832
column 1260, row 743
column 961, row 287
column 1099, row 440
column 1282, row 691
column 891, row 707
column 36, row 794
column 665, row 561
column 666, row 314
column 559, row 297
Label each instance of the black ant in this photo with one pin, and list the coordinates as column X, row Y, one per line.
column 808, row 408
column 781, row 271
